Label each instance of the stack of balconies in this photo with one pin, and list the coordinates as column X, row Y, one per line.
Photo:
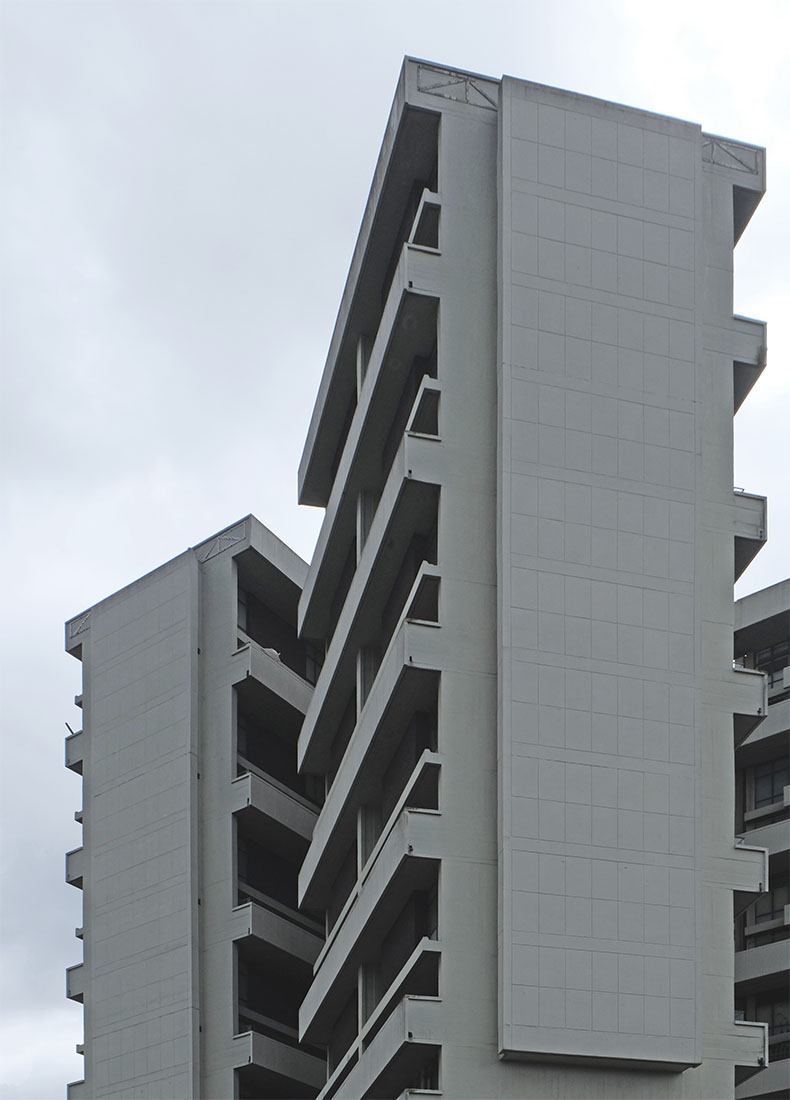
column 273, row 818
column 372, row 592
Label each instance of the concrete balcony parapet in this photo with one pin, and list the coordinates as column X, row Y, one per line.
column 745, row 1043
column 253, row 796
column 75, row 867
column 775, row 724
column 749, row 527
column 744, row 870
column 258, row 924
column 761, row 967
column 75, row 982
column 774, row 837
column 74, row 751
column 75, row 1090
column 252, row 662
column 770, row 1081
column 251, row 1049
column 744, row 341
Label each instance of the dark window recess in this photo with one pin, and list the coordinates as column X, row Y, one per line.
column 266, row 872
column 428, row 1078
column 771, row 905
column 417, row 919
column 270, row 993
column 774, row 1010
column 405, row 227
column 314, row 661
column 770, row 780
column 266, row 628
column 343, row 585
column 273, row 753
column 343, row 883
column 343, row 735
column 427, row 230
column 426, row 415
column 343, row 1033
column 422, row 366
column 349, row 416
column 420, row 735
column 421, row 548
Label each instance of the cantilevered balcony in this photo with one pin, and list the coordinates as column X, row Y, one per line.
column 75, row 983
column 75, row 867
column 261, row 929
column 393, row 1058
column 266, row 806
column 774, row 728
column 744, row 869
column 408, row 507
column 741, row 165
column 776, row 838
column 401, row 688
column 769, row 1082
column 763, row 967
column 269, row 684
column 75, row 751
column 746, row 690
column 748, row 348
column 750, row 527
column 406, row 166
column 404, row 860
column 408, row 332
column 272, row 1067
column 75, row 1090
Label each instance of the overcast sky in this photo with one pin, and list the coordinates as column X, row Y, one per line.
column 181, row 188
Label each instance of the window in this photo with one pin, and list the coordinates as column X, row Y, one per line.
column 773, row 660
column 770, row 780
column 771, row 905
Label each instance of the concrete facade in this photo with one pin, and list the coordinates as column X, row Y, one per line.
column 509, row 863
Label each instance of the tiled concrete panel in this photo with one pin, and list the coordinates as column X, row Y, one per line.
column 141, row 891
column 598, row 607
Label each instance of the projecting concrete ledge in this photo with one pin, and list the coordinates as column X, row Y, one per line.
column 254, row 922
column 769, row 960
column 771, row 1081
column 254, row 1049
column 743, row 869
column 251, row 661
column 250, row 794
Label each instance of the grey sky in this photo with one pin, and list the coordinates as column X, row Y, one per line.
column 182, row 185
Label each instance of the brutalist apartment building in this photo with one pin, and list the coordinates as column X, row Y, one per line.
column 451, row 810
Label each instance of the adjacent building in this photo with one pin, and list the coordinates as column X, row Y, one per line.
column 762, row 809
column 195, row 822
column 508, row 862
